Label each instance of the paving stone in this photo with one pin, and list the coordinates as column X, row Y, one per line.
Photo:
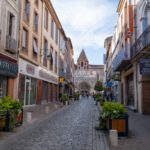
column 70, row 128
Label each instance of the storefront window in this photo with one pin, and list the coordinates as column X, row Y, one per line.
column 27, row 90
column 130, row 90
column 3, row 86
column 33, row 91
column 21, row 88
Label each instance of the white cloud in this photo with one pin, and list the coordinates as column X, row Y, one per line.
column 86, row 22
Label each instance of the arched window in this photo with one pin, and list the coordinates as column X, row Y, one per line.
column 81, row 64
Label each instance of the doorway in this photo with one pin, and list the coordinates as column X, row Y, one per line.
column 29, row 91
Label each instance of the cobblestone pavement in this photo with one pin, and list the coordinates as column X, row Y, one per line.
column 70, row 128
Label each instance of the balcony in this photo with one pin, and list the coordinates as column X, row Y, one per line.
column 11, row 45
column 120, row 61
column 61, row 73
column 142, row 44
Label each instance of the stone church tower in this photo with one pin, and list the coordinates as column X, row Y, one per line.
column 86, row 75
column 82, row 62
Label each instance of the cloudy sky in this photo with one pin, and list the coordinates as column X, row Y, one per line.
column 87, row 23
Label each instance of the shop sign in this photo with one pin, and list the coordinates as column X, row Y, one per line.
column 145, row 66
column 47, row 76
column 8, row 68
column 116, row 77
column 30, row 69
column 61, row 79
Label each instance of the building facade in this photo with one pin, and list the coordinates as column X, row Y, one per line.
column 86, row 75
column 130, row 55
column 9, row 29
column 39, row 45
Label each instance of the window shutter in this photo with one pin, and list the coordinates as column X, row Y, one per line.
column 28, row 8
column 35, row 48
column 24, row 36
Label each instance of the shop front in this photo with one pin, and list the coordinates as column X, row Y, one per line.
column 27, row 89
column 130, row 91
column 145, row 84
column 36, row 84
column 8, row 73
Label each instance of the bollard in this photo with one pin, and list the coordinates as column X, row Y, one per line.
column 55, row 106
column 47, row 109
column 113, row 136
column 29, row 116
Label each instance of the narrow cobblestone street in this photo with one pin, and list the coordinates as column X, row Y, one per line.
column 70, row 128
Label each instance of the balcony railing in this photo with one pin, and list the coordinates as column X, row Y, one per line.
column 11, row 45
column 120, row 60
column 61, row 73
column 141, row 43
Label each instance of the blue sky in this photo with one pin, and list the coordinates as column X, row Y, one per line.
column 87, row 23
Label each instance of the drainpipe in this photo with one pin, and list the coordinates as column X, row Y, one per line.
column 136, row 67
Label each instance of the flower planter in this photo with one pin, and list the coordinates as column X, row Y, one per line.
column 120, row 124
column 2, row 122
column 19, row 118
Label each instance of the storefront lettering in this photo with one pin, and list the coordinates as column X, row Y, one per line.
column 145, row 66
column 8, row 68
column 30, row 69
column 47, row 76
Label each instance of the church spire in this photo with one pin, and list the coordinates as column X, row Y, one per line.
column 83, row 57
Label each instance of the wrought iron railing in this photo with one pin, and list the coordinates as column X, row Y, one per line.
column 122, row 55
column 11, row 44
column 141, row 43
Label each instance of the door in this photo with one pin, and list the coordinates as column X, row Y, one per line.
column 3, row 86
column 27, row 92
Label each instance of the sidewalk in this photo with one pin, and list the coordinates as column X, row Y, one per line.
column 38, row 112
column 139, row 133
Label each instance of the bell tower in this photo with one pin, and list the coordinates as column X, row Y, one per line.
column 82, row 62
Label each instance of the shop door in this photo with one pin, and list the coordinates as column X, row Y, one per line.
column 30, row 91
column 27, row 92
column 130, row 90
column 3, row 86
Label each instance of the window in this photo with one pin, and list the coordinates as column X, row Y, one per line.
column 45, row 53
column 10, row 24
column 55, row 62
column 56, row 36
column 24, row 39
column 52, row 29
column 37, row 3
column 35, row 22
column 51, row 58
column 26, row 10
column 46, row 19
column 81, row 64
column 35, row 48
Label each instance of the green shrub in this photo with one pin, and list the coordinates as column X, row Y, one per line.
column 111, row 110
column 64, row 97
column 76, row 95
column 8, row 104
column 98, row 86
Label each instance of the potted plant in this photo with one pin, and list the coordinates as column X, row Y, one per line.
column 114, row 116
column 99, row 98
column 64, row 99
column 12, row 113
column 76, row 95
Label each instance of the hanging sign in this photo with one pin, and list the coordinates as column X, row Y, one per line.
column 145, row 66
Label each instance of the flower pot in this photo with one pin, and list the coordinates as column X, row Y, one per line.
column 2, row 119
column 119, row 124
column 19, row 118
column 10, row 121
column 2, row 122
